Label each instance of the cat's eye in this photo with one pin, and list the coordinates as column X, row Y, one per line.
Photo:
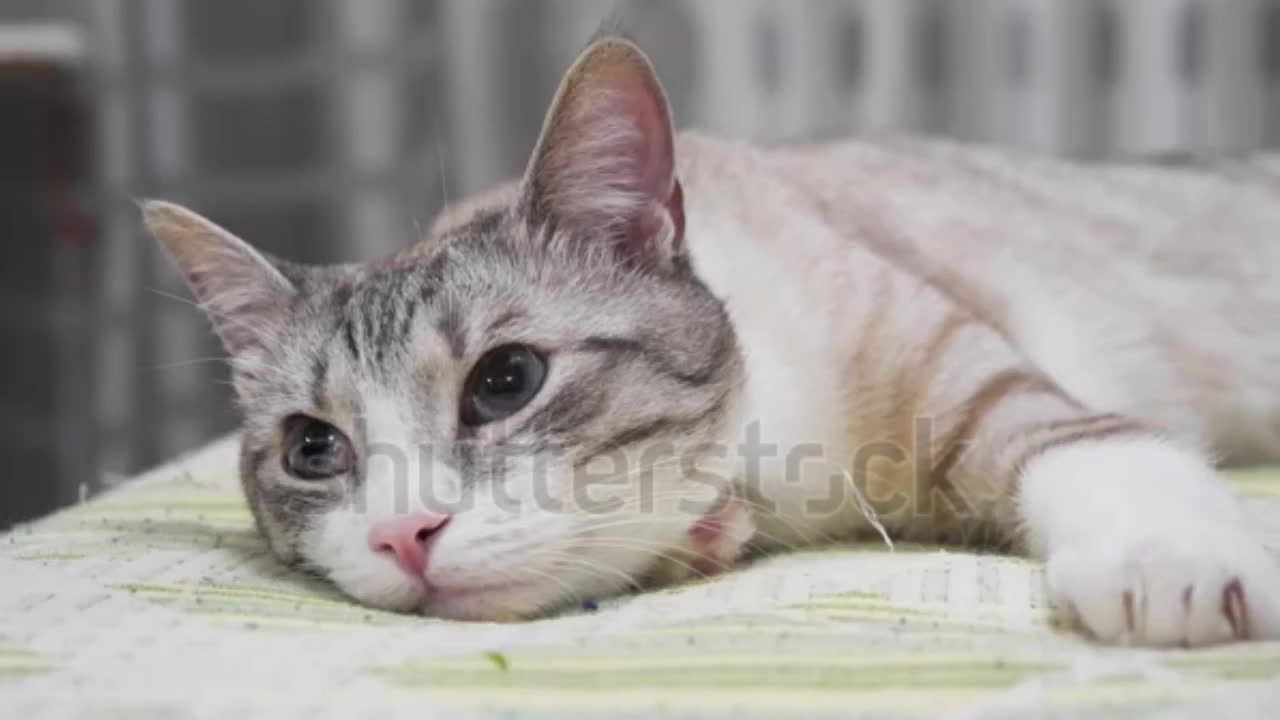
column 502, row 383
column 315, row 450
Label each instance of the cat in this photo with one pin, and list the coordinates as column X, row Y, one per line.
column 656, row 353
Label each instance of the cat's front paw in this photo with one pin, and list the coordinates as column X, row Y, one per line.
column 1145, row 545
column 1202, row 588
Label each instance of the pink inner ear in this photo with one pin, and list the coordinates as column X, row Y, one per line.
column 606, row 162
column 610, row 155
column 240, row 290
column 646, row 109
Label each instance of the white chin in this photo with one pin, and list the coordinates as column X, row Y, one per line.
column 402, row 598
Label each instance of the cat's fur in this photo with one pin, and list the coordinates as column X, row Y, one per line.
column 995, row 348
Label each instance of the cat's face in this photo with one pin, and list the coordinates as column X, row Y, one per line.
column 530, row 410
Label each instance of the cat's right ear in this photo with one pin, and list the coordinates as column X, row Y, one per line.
column 243, row 294
column 604, row 168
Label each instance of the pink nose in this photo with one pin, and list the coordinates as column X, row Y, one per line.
column 406, row 537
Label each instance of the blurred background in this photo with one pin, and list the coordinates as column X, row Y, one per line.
column 332, row 129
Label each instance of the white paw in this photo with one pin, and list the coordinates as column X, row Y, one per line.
column 1190, row 591
column 1146, row 546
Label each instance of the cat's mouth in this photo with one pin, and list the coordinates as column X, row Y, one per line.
column 713, row 543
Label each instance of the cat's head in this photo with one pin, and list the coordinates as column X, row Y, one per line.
column 529, row 409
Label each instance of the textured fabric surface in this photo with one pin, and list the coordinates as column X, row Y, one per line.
column 158, row 600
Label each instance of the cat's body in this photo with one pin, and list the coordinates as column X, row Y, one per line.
column 1139, row 290
column 992, row 347
column 1144, row 291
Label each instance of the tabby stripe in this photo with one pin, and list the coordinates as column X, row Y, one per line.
column 341, row 313
column 502, row 321
column 1078, row 421
column 1083, row 429
column 573, row 406
column 997, row 388
column 906, row 391
column 635, row 434
column 873, row 324
column 384, row 317
column 636, row 348
column 319, row 375
column 450, row 326
column 646, row 430
column 256, row 460
column 406, row 321
column 942, row 338
column 349, row 334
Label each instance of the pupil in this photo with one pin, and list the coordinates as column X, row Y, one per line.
column 312, row 445
column 317, row 450
column 504, row 381
column 507, row 380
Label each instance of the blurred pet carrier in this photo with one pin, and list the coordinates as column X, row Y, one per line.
column 45, row 389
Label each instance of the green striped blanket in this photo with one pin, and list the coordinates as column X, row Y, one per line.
column 158, row 600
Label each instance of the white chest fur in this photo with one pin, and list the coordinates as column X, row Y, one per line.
column 791, row 441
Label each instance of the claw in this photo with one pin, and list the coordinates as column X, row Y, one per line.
column 1234, row 608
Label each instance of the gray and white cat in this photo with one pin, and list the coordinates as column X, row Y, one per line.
column 656, row 352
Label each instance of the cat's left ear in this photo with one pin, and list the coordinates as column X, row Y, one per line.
column 604, row 167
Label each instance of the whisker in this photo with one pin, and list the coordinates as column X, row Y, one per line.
column 598, row 569
column 658, row 551
column 212, row 312
column 867, row 510
column 565, row 587
column 648, row 521
column 188, row 363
